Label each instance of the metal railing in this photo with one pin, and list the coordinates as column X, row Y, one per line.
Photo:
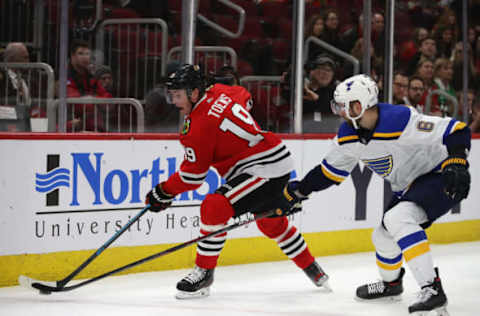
column 136, row 49
column 222, row 30
column 48, row 32
column 85, row 114
column 212, row 57
column 332, row 49
column 35, row 87
column 446, row 95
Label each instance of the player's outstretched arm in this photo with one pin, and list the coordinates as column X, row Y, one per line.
column 158, row 199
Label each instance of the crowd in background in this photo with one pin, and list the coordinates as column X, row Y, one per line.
column 428, row 56
column 427, row 53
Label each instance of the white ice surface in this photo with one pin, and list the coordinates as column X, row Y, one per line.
column 274, row 288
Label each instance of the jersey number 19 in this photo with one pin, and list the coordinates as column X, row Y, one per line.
column 245, row 116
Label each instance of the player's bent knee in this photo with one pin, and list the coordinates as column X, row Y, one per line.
column 384, row 243
column 272, row 227
column 390, row 221
column 379, row 237
column 404, row 213
column 216, row 209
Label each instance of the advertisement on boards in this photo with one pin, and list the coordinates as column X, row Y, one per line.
column 73, row 195
column 62, row 195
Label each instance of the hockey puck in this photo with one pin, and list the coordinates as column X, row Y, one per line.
column 45, row 292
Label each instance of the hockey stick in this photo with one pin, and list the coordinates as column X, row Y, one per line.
column 25, row 281
column 48, row 287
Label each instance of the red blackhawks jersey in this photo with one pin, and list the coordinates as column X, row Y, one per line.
column 220, row 132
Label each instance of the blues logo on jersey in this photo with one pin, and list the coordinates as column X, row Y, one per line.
column 382, row 166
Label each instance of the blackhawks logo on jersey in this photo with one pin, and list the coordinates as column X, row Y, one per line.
column 186, row 126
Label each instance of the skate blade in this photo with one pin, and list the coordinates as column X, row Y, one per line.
column 440, row 311
column 323, row 283
column 394, row 298
column 182, row 295
column 325, row 286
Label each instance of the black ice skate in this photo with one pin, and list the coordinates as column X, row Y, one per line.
column 317, row 275
column 381, row 289
column 196, row 284
column 431, row 298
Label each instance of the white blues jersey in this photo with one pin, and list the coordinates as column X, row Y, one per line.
column 405, row 145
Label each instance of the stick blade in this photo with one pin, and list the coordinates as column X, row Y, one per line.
column 42, row 286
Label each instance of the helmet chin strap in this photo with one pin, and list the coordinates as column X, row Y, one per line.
column 354, row 119
column 354, row 122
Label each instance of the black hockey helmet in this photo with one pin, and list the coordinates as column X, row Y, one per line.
column 187, row 77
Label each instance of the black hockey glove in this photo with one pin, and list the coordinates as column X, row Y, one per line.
column 291, row 200
column 456, row 178
column 280, row 212
column 158, row 199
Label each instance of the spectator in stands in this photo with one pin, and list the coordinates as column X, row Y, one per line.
column 331, row 32
column 15, row 94
column 475, row 117
column 424, row 13
column 16, row 53
column 420, row 34
column 227, row 75
column 378, row 33
column 443, row 74
column 351, row 35
column 104, row 76
column 470, row 102
column 447, row 19
column 160, row 116
column 457, row 59
column 357, row 52
column 378, row 22
column 13, row 87
column 427, row 49
column 319, row 84
column 444, row 37
column 425, row 71
column 473, row 41
column 121, row 116
column 476, row 52
column 416, row 89
column 409, row 49
column 400, row 88
column 315, row 26
column 81, row 83
column 318, row 92
column 376, row 73
column 259, row 55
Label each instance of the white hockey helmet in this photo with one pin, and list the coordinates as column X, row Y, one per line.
column 359, row 88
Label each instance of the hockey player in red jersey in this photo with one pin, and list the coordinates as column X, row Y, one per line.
column 219, row 132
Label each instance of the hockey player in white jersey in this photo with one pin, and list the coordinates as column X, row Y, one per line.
column 425, row 160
